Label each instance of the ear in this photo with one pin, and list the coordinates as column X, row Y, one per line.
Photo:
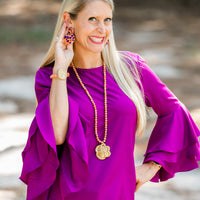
column 67, row 19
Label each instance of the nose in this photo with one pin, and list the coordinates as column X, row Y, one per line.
column 101, row 27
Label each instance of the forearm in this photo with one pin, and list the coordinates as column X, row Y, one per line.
column 59, row 108
column 145, row 173
column 155, row 164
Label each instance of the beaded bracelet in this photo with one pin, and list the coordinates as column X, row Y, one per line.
column 56, row 76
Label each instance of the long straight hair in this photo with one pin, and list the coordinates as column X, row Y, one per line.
column 121, row 66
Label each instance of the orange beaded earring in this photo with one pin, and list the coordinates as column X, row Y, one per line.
column 69, row 37
column 107, row 42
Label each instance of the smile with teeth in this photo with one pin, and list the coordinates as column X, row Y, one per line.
column 98, row 40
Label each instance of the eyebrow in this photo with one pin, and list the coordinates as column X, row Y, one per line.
column 96, row 16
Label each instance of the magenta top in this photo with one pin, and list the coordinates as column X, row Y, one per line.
column 72, row 171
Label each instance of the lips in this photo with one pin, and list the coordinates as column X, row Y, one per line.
column 96, row 39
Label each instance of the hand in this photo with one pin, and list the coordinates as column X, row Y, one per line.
column 145, row 173
column 63, row 54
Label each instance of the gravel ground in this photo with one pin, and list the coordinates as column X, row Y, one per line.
column 169, row 42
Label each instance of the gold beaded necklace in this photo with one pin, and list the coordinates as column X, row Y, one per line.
column 102, row 151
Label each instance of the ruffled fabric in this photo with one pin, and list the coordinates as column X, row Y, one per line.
column 74, row 160
column 174, row 140
column 174, row 144
column 40, row 161
column 40, row 157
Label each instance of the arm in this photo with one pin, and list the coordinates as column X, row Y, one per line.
column 58, row 98
column 174, row 140
column 40, row 155
column 145, row 173
column 59, row 108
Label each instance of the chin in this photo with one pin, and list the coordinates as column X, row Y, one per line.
column 97, row 50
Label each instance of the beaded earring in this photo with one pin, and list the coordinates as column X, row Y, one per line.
column 69, row 37
column 107, row 42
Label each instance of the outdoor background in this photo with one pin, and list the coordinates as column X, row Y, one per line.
column 166, row 33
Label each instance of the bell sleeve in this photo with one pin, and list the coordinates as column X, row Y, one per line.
column 42, row 166
column 174, row 140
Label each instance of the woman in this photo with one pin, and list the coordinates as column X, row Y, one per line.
column 82, row 138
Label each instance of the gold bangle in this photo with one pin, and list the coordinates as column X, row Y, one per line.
column 156, row 164
column 56, row 76
column 61, row 74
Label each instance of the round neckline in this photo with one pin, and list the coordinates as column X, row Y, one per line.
column 87, row 69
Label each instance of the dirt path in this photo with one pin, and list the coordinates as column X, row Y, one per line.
column 169, row 42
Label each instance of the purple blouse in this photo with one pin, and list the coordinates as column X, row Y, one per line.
column 72, row 171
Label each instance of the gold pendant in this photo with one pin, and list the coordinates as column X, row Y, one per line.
column 102, row 151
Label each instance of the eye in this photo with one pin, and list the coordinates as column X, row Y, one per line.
column 93, row 19
column 108, row 20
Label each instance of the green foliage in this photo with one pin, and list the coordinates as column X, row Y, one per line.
column 25, row 35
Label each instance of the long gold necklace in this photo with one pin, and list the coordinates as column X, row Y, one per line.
column 102, row 151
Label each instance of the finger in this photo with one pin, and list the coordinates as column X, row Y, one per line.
column 62, row 32
column 138, row 185
column 70, row 46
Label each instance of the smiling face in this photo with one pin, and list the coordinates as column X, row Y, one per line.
column 93, row 26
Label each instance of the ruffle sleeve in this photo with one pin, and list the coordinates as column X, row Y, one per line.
column 174, row 140
column 41, row 164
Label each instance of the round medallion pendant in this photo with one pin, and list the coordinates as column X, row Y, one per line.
column 102, row 151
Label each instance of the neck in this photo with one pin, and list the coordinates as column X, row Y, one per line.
column 87, row 60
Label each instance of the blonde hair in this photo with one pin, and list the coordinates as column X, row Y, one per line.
column 121, row 66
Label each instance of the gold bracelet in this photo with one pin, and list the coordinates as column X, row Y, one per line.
column 61, row 74
column 155, row 164
column 56, row 76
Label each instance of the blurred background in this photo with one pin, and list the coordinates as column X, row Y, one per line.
column 165, row 33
